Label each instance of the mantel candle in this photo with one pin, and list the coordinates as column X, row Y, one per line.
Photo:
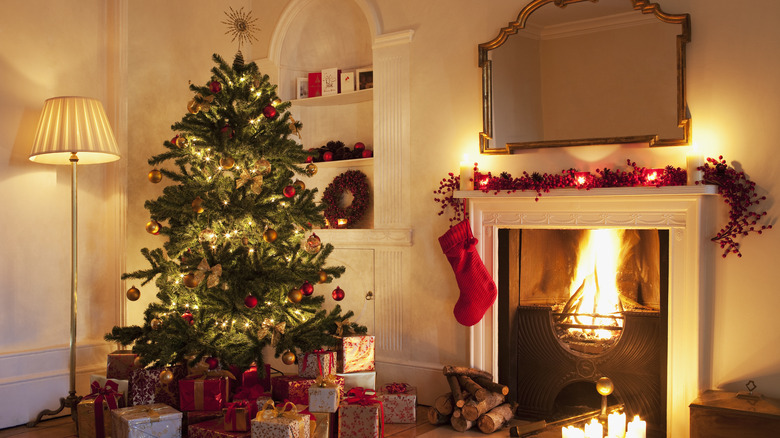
column 616, row 425
column 594, row 429
column 693, row 160
column 466, row 174
column 636, row 428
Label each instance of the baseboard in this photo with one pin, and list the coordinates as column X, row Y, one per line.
column 426, row 377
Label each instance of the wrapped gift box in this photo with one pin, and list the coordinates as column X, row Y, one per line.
column 324, row 398
column 195, row 417
column 122, row 385
column 156, row 420
column 359, row 380
column 120, row 364
column 281, row 424
column 146, row 388
column 357, row 354
column 400, row 403
column 203, row 393
column 262, row 400
column 296, row 388
column 93, row 413
column 316, row 363
column 251, row 378
column 214, row 429
column 360, row 415
column 325, row 425
column 238, row 415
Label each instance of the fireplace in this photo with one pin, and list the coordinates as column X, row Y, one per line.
column 682, row 217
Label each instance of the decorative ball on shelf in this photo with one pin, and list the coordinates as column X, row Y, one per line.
column 270, row 235
column 215, row 87
column 276, row 102
column 263, row 166
column 153, row 227
column 154, row 176
column 327, row 156
column 295, row 296
column 190, row 280
column 313, row 244
column 187, row 316
column 299, row 185
column 359, row 146
column 288, row 358
column 133, row 294
column 269, row 112
column 323, row 277
column 197, row 205
column 155, row 323
column 212, row 362
column 166, row 377
column 338, row 294
column 250, row 301
column 311, row 169
column 289, row 191
column 307, row 289
column 367, row 153
column 227, row 162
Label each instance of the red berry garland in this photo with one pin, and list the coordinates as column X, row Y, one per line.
column 355, row 182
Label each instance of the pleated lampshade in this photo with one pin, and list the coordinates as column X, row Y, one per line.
column 71, row 125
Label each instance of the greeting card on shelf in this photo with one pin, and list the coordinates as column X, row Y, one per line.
column 330, row 81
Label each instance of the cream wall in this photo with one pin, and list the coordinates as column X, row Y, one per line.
column 48, row 49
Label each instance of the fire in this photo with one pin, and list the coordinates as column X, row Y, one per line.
column 594, row 296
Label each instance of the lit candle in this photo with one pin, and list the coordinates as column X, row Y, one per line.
column 581, row 178
column 341, row 223
column 652, row 176
column 594, row 429
column 466, row 174
column 693, row 160
column 616, row 425
column 636, row 428
column 572, row 432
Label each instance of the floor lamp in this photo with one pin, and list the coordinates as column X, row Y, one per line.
column 72, row 130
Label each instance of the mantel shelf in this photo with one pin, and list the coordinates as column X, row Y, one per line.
column 336, row 99
column 701, row 189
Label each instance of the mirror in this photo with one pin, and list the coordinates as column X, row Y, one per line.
column 585, row 72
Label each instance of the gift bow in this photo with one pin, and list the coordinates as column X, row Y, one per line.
column 214, row 273
column 340, row 325
column 232, row 407
column 256, row 181
column 201, row 371
column 275, row 331
column 365, row 397
column 324, row 381
column 396, row 388
column 107, row 393
column 319, row 354
column 270, row 411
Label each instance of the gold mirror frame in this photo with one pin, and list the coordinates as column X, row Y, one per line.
column 646, row 7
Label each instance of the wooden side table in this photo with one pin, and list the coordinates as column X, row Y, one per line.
column 717, row 414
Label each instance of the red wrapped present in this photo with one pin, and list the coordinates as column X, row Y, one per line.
column 195, row 417
column 204, row 393
column 94, row 410
column 251, row 393
column 357, row 354
column 238, row 415
column 361, row 415
column 251, row 377
column 122, row 385
column 296, row 388
column 317, row 363
column 282, row 422
column 400, row 403
column 120, row 364
column 146, row 387
column 214, row 429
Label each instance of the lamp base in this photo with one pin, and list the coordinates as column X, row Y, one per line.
column 65, row 402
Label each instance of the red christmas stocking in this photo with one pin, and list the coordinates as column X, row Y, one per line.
column 477, row 289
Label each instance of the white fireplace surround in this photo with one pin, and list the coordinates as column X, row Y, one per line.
column 686, row 211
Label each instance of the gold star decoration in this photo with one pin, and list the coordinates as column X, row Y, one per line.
column 241, row 25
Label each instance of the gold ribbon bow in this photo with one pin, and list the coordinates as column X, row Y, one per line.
column 270, row 411
column 340, row 326
column 328, row 381
column 256, row 181
column 201, row 371
column 274, row 330
column 214, row 273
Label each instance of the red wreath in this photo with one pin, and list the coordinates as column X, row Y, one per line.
column 355, row 182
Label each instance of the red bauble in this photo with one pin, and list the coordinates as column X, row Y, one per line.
column 269, row 112
column 289, row 191
column 307, row 289
column 327, row 156
column 212, row 362
column 250, row 301
column 309, row 159
column 215, row 87
column 367, row 153
column 187, row 316
column 227, row 130
column 359, row 146
column 338, row 294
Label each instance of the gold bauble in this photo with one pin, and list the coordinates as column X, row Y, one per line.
column 270, row 235
column 288, row 358
column 263, row 166
column 155, row 323
column 154, row 176
column 604, row 386
column 190, row 280
column 323, row 277
column 197, row 205
column 133, row 294
column 137, row 362
column 181, row 141
column 166, row 377
column 227, row 162
column 311, row 169
column 299, row 185
column 295, row 296
column 153, row 227
column 276, row 102
column 193, row 107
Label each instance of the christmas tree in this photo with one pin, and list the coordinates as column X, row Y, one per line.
column 236, row 272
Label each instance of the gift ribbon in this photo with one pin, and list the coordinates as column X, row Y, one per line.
column 146, row 410
column 249, row 392
column 107, row 393
column 274, row 330
column 199, row 377
column 328, row 381
column 365, row 397
column 231, row 414
column 270, row 411
column 319, row 354
column 395, row 388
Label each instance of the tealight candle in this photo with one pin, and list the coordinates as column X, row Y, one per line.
column 341, row 223
column 594, row 429
column 636, row 428
column 466, row 174
column 616, row 425
column 652, row 176
column 581, row 178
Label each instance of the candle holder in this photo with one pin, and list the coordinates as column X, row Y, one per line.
column 341, row 223
column 604, row 386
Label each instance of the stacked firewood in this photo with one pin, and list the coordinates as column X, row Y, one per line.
column 474, row 400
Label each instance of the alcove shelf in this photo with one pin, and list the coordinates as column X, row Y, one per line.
column 336, row 99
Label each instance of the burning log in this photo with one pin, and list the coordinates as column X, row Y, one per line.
column 473, row 409
column 444, row 404
column 495, row 418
